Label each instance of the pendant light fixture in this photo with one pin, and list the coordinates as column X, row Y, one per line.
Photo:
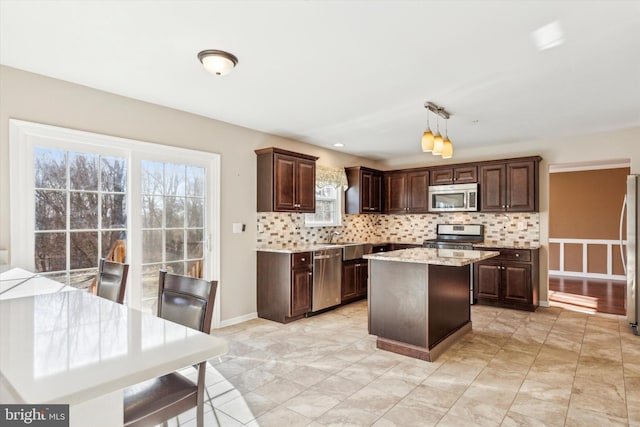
column 437, row 144
column 447, row 147
column 218, row 62
column 427, row 138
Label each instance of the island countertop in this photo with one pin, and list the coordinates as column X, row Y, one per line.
column 451, row 257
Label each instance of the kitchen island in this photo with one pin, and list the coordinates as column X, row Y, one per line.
column 419, row 299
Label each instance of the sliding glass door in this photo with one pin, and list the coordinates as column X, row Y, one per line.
column 78, row 197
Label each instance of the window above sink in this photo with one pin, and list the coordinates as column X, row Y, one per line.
column 329, row 202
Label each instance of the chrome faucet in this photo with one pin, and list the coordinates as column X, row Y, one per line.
column 333, row 233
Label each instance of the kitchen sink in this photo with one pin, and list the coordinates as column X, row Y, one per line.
column 351, row 250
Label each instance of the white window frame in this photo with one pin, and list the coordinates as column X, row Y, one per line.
column 309, row 219
column 24, row 136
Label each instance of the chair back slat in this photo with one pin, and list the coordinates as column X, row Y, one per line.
column 186, row 300
column 112, row 280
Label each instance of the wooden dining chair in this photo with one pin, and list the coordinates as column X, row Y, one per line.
column 188, row 301
column 111, row 280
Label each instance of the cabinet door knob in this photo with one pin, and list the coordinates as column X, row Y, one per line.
column 303, row 259
column 517, row 255
column 310, row 273
column 503, row 206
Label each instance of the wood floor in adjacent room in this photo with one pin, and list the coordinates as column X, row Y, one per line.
column 596, row 296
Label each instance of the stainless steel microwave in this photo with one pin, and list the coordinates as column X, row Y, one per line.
column 453, row 198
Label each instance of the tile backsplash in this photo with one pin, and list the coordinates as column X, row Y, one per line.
column 289, row 229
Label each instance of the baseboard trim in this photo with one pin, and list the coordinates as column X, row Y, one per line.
column 583, row 275
column 544, row 304
column 239, row 319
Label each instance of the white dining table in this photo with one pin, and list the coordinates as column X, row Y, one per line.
column 17, row 282
column 71, row 347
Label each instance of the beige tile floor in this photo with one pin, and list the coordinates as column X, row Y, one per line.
column 553, row 367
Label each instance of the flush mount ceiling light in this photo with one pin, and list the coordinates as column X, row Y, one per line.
column 437, row 145
column 217, row 62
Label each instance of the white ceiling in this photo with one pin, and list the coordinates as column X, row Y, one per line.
column 356, row 72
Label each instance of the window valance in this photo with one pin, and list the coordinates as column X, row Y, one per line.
column 332, row 177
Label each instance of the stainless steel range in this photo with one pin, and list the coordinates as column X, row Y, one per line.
column 457, row 236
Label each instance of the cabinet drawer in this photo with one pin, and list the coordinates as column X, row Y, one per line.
column 399, row 246
column 522, row 255
column 302, row 259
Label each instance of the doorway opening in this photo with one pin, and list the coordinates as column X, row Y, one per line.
column 587, row 232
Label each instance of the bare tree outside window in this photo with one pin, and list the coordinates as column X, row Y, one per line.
column 80, row 211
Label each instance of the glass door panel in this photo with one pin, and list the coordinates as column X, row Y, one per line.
column 80, row 212
column 172, row 223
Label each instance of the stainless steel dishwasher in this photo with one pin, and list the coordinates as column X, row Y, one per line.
column 327, row 278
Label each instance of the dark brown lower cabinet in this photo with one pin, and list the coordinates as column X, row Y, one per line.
column 354, row 280
column 508, row 280
column 300, row 291
column 284, row 285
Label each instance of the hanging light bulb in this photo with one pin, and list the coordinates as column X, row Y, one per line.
column 447, row 147
column 427, row 137
column 438, row 142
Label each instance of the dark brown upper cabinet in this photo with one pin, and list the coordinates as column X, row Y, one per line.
column 364, row 194
column 406, row 191
column 454, row 175
column 509, row 186
column 286, row 181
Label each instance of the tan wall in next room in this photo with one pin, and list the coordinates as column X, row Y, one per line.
column 586, row 205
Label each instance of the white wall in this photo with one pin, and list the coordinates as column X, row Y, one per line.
column 41, row 99
column 35, row 98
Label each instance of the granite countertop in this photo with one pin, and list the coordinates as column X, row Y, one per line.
column 513, row 245
column 293, row 248
column 451, row 257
